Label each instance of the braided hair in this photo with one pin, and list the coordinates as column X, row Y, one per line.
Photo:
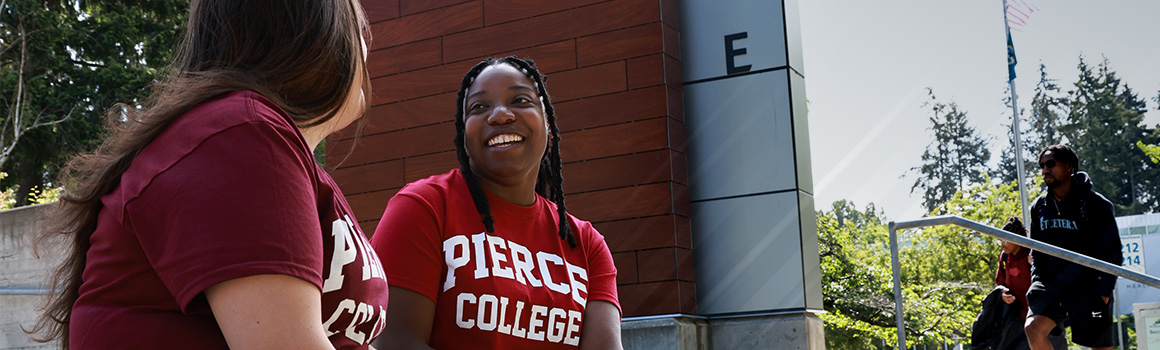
column 1014, row 225
column 550, row 180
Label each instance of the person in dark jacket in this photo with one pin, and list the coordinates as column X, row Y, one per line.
column 1071, row 216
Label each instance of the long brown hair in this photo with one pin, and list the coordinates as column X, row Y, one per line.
column 302, row 55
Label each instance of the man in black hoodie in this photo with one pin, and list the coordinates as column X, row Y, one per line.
column 1072, row 216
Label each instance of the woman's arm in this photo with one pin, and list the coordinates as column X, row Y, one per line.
column 410, row 316
column 601, row 328
column 269, row 312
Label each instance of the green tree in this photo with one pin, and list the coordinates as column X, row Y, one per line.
column 946, row 270
column 1153, row 151
column 1104, row 122
column 1039, row 128
column 955, row 159
column 856, row 277
column 64, row 64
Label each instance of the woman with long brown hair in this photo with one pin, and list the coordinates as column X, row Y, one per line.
column 203, row 220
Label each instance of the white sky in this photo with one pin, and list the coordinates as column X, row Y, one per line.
column 867, row 64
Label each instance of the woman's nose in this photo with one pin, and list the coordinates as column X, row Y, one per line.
column 501, row 115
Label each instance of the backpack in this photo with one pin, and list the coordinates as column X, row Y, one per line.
column 998, row 326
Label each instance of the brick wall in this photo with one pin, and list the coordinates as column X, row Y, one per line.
column 613, row 70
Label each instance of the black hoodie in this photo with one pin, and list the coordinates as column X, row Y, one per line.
column 1084, row 223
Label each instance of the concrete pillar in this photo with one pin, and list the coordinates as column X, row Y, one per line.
column 751, row 189
column 668, row 332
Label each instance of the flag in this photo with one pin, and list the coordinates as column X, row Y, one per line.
column 1010, row 57
column 1010, row 46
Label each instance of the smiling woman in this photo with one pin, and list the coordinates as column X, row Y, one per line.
column 483, row 266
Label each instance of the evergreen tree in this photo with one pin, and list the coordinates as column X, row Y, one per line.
column 1039, row 128
column 64, row 64
column 1104, row 123
column 954, row 160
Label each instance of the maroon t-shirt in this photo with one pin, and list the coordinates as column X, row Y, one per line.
column 1015, row 272
column 228, row 190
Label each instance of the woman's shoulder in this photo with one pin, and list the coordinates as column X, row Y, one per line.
column 585, row 231
column 438, row 186
column 234, row 108
column 239, row 120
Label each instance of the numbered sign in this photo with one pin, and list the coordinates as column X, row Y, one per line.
column 1133, row 248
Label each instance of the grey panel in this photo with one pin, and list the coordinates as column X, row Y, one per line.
column 793, row 36
column 801, row 133
column 740, row 139
column 811, row 263
column 704, row 25
column 748, row 254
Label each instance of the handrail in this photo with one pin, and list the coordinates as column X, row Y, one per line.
column 1003, row 235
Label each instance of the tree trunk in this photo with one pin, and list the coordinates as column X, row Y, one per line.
column 30, row 178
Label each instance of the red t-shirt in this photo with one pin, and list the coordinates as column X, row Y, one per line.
column 228, row 190
column 521, row 287
column 1014, row 272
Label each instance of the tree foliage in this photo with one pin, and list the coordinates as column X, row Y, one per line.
column 1039, row 128
column 64, row 64
column 946, row 270
column 1104, row 123
column 856, row 278
column 955, row 159
column 1153, row 151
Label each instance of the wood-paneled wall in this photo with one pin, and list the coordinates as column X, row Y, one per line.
column 614, row 74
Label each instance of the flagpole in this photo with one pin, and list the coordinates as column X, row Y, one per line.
column 1015, row 124
column 1019, row 158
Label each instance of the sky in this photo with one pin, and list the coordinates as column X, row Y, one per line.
column 868, row 65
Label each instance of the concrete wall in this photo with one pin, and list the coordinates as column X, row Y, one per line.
column 796, row 331
column 23, row 276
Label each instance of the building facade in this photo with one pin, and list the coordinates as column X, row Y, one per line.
column 684, row 142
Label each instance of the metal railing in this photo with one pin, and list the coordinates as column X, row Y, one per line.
column 1000, row 234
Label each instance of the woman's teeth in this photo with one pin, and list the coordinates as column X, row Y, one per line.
column 504, row 139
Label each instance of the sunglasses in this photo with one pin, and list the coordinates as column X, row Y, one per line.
column 1050, row 163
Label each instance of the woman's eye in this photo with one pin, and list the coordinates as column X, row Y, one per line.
column 475, row 107
column 522, row 100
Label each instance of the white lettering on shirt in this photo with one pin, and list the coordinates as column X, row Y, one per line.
column 574, row 272
column 523, row 263
column 556, row 329
column 477, row 241
column 460, row 301
column 344, row 253
column 544, row 324
column 546, row 274
column 573, row 336
column 482, row 256
column 526, row 268
column 1068, row 224
column 454, row 261
column 536, row 322
column 349, row 245
column 498, row 257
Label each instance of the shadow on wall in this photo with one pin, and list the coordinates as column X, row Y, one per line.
column 23, row 275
